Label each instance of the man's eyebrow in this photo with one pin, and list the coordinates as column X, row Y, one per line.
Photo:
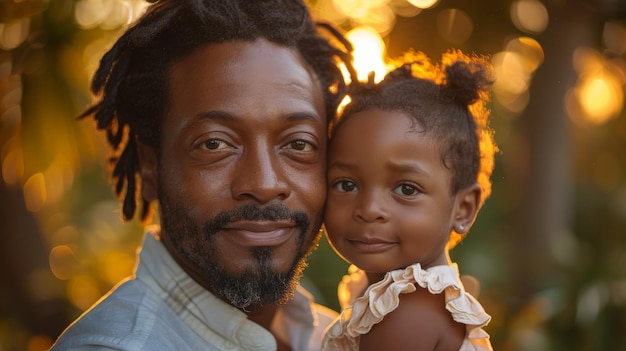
column 226, row 116
column 216, row 115
column 303, row 116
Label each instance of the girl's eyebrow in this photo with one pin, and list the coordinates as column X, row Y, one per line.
column 399, row 167
column 406, row 166
column 342, row 165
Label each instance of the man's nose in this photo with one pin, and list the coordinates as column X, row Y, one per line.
column 260, row 176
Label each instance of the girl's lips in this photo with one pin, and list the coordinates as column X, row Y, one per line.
column 371, row 246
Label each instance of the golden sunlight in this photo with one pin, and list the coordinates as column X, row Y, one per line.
column 107, row 14
column 116, row 265
column 83, row 291
column 514, row 68
column 598, row 92
column 530, row 51
column 357, row 8
column 600, row 97
column 423, row 4
column 510, row 74
column 369, row 52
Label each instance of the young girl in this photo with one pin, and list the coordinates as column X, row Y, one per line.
column 409, row 168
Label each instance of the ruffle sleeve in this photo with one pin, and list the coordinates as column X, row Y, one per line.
column 384, row 296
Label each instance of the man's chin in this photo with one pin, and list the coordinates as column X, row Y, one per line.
column 261, row 284
column 245, row 291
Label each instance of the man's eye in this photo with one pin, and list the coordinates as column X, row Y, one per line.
column 301, row 145
column 406, row 190
column 345, row 186
column 214, row 144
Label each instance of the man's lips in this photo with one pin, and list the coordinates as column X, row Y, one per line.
column 260, row 233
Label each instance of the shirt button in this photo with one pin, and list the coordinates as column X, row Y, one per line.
column 230, row 344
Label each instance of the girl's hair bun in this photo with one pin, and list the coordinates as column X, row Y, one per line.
column 465, row 82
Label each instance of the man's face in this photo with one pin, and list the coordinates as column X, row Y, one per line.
column 241, row 175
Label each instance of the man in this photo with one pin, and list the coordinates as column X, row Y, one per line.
column 220, row 108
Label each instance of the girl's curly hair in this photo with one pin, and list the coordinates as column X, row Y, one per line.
column 448, row 102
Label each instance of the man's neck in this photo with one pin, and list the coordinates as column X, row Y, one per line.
column 264, row 316
column 261, row 315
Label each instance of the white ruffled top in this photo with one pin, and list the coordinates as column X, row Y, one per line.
column 383, row 297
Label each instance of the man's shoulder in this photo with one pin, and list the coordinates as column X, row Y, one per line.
column 125, row 318
column 304, row 302
column 324, row 315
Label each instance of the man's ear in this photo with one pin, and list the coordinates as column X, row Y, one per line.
column 466, row 208
column 148, row 164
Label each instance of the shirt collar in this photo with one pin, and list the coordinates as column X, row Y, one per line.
column 198, row 307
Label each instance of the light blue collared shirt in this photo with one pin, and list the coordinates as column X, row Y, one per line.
column 162, row 308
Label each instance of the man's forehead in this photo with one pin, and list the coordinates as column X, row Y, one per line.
column 239, row 68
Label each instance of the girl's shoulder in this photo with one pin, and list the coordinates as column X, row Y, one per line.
column 413, row 309
column 420, row 322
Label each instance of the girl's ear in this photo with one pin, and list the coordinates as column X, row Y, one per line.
column 147, row 171
column 466, row 208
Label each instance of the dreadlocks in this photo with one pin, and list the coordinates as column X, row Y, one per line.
column 132, row 79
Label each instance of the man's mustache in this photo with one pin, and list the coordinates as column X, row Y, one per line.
column 254, row 212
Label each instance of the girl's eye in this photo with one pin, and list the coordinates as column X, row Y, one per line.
column 215, row 144
column 345, row 186
column 301, row 145
column 406, row 190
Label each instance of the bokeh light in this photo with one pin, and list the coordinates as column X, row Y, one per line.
column 530, row 16
column 13, row 33
column 83, row 290
column 116, row 265
column 598, row 95
column 529, row 50
column 35, row 192
column 514, row 68
column 423, row 4
column 511, row 78
column 12, row 162
column 107, row 14
column 56, row 163
column 403, row 8
column 63, row 262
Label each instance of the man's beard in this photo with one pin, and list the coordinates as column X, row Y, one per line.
column 259, row 284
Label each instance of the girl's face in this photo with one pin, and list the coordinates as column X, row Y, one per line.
column 389, row 201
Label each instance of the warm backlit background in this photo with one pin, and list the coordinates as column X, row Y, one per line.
column 547, row 256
